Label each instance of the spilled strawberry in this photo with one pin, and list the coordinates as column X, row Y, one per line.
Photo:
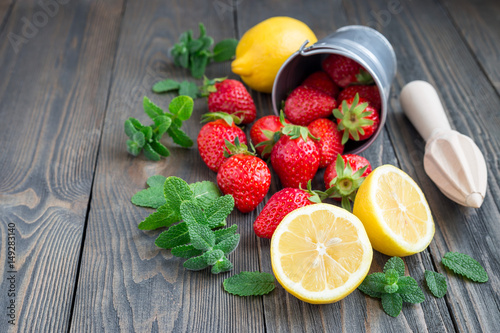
column 306, row 104
column 231, row 97
column 368, row 92
column 211, row 144
column 343, row 178
column 295, row 157
column 245, row 176
column 321, row 81
column 279, row 205
column 263, row 134
column 357, row 119
column 329, row 144
column 345, row 71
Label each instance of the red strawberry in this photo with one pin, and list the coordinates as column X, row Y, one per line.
column 357, row 119
column 306, row 104
column 329, row 144
column 263, row 132
column 345, row 71
column 295, row 157
column 230, row 96
column 321, row 81
column 369, row 93
column 211, row 138
column 245, row 176
column 343, row 178
column 279, row 205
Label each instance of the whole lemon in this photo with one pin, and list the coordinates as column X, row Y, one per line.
column 265, row 47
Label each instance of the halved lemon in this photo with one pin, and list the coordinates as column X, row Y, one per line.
column 394, row 211
column 320, row 253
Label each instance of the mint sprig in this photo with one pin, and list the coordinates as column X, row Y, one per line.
column 393, row 287
column 191, row 211
column 147, row 138
column 194, row 53
column 465, row 265
column 249, row 284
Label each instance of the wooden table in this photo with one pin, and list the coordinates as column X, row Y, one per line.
column 73, row 72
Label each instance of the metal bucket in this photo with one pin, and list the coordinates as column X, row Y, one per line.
column 362, row 44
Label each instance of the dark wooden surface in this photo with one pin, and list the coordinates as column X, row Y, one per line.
column 66, row 179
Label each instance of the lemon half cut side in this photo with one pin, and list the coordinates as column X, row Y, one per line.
column 394, row 211
column 320, row 253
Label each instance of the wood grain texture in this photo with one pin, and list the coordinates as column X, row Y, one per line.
column 126, row 282
column 52, row 99
column 479, row 24
column 429, row 48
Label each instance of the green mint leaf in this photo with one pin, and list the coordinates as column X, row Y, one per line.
column 201, row 235
column 199, row 63
column 176, row 235
column 179, row 137
column 392, row 304
column 156, row 181
column 148, row 133
column 150, row 153
column 192, row 213
column 217, row 212
column 186, row 251
column 151, row 109
column 196, row 263
column 164, row 217
column 397, row 264
column 207, row 42
column 130, row 129
column 373, row 285
column 212, row 256
column 165, row 86
column 391, row 276
column 162, row 120
column 409, row 290
column 133, row 148
column 176, row 191
column 205, row 193
column 391, row 288
column 223, row 234
column 182, row 107
column 194, row 45
column 222, row 265
column 465, row 265
column 436, row 283
column 152, row 196
column 136, row 123
column 225, row 50
column 229, row 244
column 249, row 284
column 139, row 139
column 189, row 89
column 160, row 149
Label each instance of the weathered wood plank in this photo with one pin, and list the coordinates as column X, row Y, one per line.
column 52, row 99
column 479, row 24
column 126, row 282
column 429, row 48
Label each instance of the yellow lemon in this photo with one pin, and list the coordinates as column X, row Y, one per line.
column 320, row 253
column 394, row 212
column 265, row 47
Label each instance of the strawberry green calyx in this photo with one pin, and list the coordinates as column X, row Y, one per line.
column 228, row 118
column 352, row 119
column 295, row 131
column 209, row 85
column 316, row 196
column 364, row 77
column 237, row 148
column 346, row 184
column 272, row 138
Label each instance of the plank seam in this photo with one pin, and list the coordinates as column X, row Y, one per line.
column 7, row 15
column 85, row 225
column 445, row 10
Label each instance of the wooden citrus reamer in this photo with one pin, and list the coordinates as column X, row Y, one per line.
column 452, row 160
